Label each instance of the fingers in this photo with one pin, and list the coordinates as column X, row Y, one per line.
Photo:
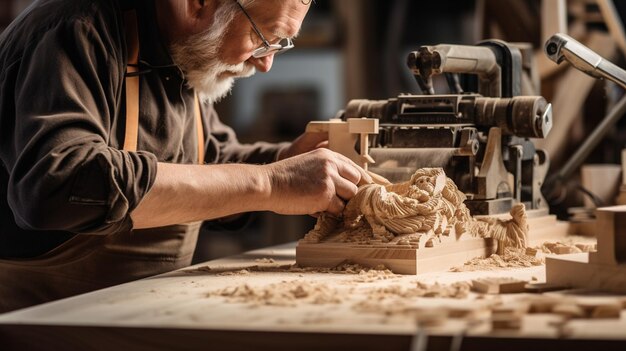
column 336, row 206
column 345, row 189
column 323, row 144
column 352, row 172
column 349, row 172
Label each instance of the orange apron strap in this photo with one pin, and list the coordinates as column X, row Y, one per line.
column 132, row 92
column 199, row 129
column 132, row 83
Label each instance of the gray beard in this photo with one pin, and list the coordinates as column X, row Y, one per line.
column 197, row 56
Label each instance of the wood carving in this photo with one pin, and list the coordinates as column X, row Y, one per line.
column 416, row 212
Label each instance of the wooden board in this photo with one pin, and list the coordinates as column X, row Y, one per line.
column 407, row 260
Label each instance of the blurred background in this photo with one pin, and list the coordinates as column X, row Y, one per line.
column 357, row 49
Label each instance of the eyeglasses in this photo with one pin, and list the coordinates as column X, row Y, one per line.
column 267, row 49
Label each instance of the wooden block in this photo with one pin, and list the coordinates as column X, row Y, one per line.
column 611, row 235
column 543, row 304
column 550, row 246
column 398, row 260
column 515, row 308
column 498, row 285
column 561, row 249
column 569, row 310
column 543, row 287
column 317, row 127
column 363, row 125
column 607, row 311
column 586, row 247
column 469, row 312
column 575, row 271
column 506, row 323
column 531, row 252
column 431, row 317
column 508, row 316
column 601, row 307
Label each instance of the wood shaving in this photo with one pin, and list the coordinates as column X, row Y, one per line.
column 458, row 290
column 529, row 257
column 237, row 272
column 564, row 247
column 264, row 260
column 286, row 293
column 365, row 274
column 396, row 300
column 512, row 258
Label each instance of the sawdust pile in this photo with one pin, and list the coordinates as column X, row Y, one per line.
column 512, row 258
column 286, row 293
column 458, row 290
column 566, row 247
column 364, row 274
column 377, row 300
column 244, row 271
column 529, row 257
column 428, row 204
column 396, row 300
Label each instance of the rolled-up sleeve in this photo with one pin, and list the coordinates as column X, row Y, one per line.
column 64, row 175
column 229, row 149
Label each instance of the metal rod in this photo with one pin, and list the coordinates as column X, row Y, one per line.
column 594, row 139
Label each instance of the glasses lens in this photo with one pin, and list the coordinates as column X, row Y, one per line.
column 273, row 49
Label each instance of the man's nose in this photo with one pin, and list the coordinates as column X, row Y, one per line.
column 262, row 64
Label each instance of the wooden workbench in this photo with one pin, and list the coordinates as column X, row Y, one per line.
column 175, row 311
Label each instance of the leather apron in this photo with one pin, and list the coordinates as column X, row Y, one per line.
column 89, row 262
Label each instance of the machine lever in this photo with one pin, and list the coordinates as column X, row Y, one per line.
column 563, row 47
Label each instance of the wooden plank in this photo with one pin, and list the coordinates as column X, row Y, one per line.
column 499, row 285
column 401, row 260
column 398, row 260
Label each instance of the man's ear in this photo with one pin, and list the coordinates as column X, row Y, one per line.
column 195, row 7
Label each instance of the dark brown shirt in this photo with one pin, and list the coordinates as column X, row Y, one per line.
column 62, row 118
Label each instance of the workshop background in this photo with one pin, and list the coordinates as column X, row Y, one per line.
column 351, row 49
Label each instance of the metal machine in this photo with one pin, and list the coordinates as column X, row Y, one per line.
column 481, row 139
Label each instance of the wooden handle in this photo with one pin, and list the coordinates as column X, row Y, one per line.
column 376, row 178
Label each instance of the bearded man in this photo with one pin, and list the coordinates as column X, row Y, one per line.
column 111, row 152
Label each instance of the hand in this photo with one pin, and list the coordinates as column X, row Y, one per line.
column 318, row 181
column 306, row 142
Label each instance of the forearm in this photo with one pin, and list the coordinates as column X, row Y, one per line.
column 187, row 193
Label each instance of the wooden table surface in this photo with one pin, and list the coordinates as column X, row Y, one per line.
column 180, row 310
